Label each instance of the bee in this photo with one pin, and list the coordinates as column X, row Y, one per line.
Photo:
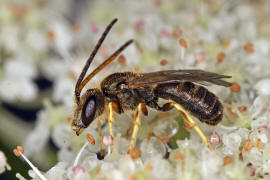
column 122, row 91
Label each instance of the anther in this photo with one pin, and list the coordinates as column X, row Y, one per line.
column 19, row 152
column 90, row 138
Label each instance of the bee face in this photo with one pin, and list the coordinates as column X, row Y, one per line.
column 77, row 124
column 91, row 106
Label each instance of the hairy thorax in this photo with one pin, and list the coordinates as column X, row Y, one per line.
column 115, row 89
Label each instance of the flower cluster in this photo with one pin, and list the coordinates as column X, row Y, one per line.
column 226, row 37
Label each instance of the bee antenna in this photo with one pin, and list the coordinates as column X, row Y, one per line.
column 101, row 66
column 90, row 59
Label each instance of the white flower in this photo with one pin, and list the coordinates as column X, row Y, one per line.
column 18, row 80
column 115, row 175
column 37, row 139
column 36, row 40
column 221, row 26
column 162, row 169
column 63, row 36
column 260, row 106
column 232, row 142
column 3, row 163
column 57, row 172
column 263, row 87
column 211, row 164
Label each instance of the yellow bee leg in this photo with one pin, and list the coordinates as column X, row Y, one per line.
column 137, row 123
column 100, row 137
column 192, row 123
column 111, row 120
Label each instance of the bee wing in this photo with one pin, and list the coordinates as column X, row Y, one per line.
column 175, row 76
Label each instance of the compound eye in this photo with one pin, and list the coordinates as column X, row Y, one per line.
column 89, row 110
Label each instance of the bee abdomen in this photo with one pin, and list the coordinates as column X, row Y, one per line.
column 196, row 99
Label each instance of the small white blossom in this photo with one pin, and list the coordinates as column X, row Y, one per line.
column 3, row 163
column 57, row 37
column 18, row 80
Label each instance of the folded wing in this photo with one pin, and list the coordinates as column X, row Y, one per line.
column 175, row 76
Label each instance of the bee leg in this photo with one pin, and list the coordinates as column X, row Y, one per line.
column 100, row 137
column 192, row 123
column 111, row 120
column 137, row 122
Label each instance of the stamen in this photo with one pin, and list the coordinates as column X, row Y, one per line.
column 90, row 139
column 79, row 154
column 77, row 170
column 163, row 62
column 183, row 45
column 108, row 141
column 75, row 27
column 135, row 153
column 249, row 47
column 226, row 43
column 177, row 32
column 200, row 56
column 19, row 176
column 220, row 57
column 235, row 87
column 242, row 108
column 252, row 170
column 139, row 25
column 51, row 35
column 247, row 145
column 215, row 138
column 122, row 60
column 94, row 28
column 19, row 152
column 227, row 160
column 109, row 150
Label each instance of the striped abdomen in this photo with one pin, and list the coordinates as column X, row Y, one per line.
column 196, row 99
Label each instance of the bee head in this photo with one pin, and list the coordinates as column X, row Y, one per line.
column 91, row 105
